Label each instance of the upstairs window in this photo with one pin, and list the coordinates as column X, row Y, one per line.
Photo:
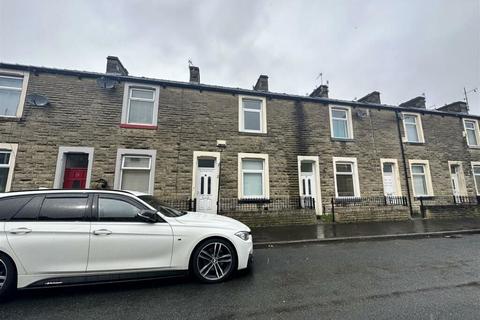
column 471, row 132
column 252, row 115
column 12, row 94
column 341, row 123
column 413, row 128
column 140, row 106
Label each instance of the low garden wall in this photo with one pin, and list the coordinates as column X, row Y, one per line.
column 365, row 214
column 452, row 211
column 274, row 218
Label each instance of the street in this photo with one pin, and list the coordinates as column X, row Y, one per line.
column 436, row 278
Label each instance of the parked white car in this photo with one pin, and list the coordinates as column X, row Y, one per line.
column 59, row 237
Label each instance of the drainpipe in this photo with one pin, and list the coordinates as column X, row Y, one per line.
column 404, row 162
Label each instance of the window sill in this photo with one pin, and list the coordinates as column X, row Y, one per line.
column 414, row 143
column 253, row 200
column 10, row 119
column 138, row 126
column 246, row 133
column 342, row 139
column 474, row 147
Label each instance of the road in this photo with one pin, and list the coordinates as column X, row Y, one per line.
column 437, row 278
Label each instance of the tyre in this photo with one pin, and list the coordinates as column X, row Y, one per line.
column 214, row 261
column 8, row 277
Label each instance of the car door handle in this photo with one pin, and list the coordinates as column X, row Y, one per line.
column 102, row 232
column 20, row 230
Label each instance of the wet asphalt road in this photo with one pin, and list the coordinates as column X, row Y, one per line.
column 436, row 278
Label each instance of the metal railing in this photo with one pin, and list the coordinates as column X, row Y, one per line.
column 185, row 204
column 452, row 201
column 373, row 201
column 263, row 204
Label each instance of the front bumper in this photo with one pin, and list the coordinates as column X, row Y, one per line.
column 244, row 253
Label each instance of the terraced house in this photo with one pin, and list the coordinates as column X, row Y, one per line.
column 253, row 154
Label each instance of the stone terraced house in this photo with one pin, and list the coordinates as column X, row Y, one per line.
column 260, row 156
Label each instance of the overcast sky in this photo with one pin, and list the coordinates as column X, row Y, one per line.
column 401, row 48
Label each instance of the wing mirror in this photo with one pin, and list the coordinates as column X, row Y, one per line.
column 148, row 216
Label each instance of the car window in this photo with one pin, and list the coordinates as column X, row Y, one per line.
column 30, row 210
column 64, row 208
column 11, row 205
column 110, row 209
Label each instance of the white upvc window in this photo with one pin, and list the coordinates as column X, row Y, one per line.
column 252, row 114
column 140, row 105
column 472, row 132
column 341, row 122
column 8, row 154
column 412, row 124
column 253, row 176
column 345, row 172
column 421, row 178
column 13, row 88
column 135, row 170
column 476, row 176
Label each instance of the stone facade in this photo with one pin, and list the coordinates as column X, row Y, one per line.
column 192, row 117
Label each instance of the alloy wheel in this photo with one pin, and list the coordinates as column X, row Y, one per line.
column 3, row 273
column 214, row 261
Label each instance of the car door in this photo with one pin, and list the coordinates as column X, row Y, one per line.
column 50, row 234
column 120, row 240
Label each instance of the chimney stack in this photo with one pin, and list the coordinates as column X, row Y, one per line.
column 114, row 66
column 262, row 83
column 457, row 107
column 418, row 103
column 372, row 97
column 194, row 74
column 320, row 92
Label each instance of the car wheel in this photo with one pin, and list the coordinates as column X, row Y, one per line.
column 8, row 277
column 214, row 261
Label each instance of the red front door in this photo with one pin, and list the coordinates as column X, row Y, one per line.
column 74, row 178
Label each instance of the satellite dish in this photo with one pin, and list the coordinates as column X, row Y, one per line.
column 362, row 114
column 37, row 100
column 106, row 83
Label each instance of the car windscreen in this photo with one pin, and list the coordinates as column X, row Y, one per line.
column 157, row 204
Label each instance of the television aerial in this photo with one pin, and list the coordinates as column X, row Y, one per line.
column 106, row 83
column 37, row 100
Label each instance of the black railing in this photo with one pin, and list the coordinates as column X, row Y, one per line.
column 262, row 204
column 453, row 201
column 179, row 204
column 369, row 201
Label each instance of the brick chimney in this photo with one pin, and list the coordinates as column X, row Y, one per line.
column 114, row 66
column 373, row 97
column 457, row 107
column 320, row 92
column 418, row 102
column 262, row 83
column 194, row 74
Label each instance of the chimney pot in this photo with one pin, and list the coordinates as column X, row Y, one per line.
column 320, row 92
column 262, row 83
column 194, row 74
column 372, row 97
column 115, row 66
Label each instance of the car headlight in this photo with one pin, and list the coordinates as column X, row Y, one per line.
column 244, row 235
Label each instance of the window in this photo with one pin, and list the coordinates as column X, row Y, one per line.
column 471, row 132
column 7, row 165
column 253, row 176
column 252, row 114
column 346, row 177
column 476, row 175
column 12, row 94
column 140, row 106
column 110, row 209
column 64, row 208
column 421, row 179
column 11, row 205
column 413, row 128
column 135, row 170
column 341, row 123
column 30, row 210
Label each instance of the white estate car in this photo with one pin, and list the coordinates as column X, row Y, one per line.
column 60, row 237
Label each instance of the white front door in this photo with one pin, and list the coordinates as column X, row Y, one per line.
column 455, row 176
column 308, row 190
column 206, row 185
column 389, row 179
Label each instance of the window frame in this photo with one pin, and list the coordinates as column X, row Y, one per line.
column 121, row 153
column 265, row 175
column 477, row 132
column 348, row 119
column 262, row 112
column 126, row 106
column 418, row 126
column 86, row 213
column 428, row 177
column 356, row 180
column 135, row 203
column 21, row 103
column 13, row 149
column 474, row 164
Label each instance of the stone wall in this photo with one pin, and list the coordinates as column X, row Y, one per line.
column 451, row 212
column 275, row 218
column 364, row 214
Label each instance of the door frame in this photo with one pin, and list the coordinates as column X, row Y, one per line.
column 205, row 154
column 61, row 160
column 461, row 178
column 398, row 184
column 316, row 173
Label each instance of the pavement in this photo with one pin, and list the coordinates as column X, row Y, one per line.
column 427, row 278
column 267, row 236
